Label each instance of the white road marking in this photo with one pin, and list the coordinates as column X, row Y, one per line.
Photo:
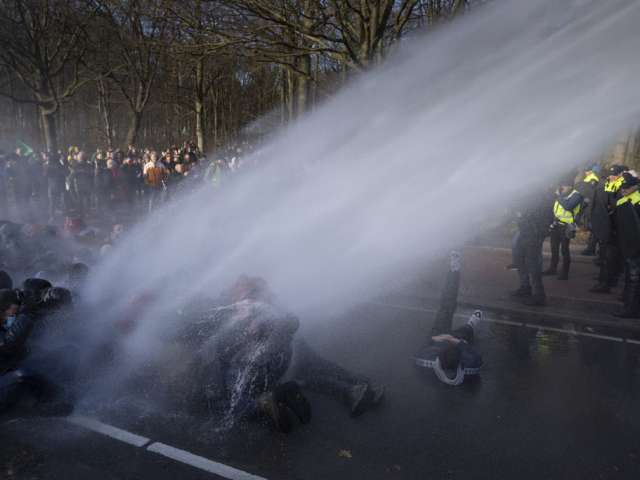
column 201, row 463
column 109, row 431
column 181, row 456
column 515, row 324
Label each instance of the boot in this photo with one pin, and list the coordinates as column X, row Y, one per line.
column 550, row 271
column 356, row 399
column 521, row 292
column 276, row 411
column 564, row 274
column 631, row 295
column 291, row 395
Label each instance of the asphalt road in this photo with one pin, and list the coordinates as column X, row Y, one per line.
column 548, row 405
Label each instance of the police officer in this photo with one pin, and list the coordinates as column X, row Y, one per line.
column 627, row 222
column 604, row 205
column 587, row 188
column 566, row 209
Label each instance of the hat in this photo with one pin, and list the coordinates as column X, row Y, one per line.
column 595, row 168
column 615, row 170
column 629, row 180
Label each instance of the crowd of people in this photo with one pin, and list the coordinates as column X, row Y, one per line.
column 605, row 204
column 44, row 187
column 242, row 350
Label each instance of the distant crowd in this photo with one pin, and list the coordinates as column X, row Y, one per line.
column 109, row 183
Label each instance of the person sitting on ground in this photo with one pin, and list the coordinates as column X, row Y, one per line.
column 450, row 353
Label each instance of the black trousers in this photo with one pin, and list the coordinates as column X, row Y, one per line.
column 447, row 308
column 560, row 244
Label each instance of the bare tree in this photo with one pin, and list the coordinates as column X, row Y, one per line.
column 43, row 43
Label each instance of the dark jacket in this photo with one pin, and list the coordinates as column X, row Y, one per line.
column 13, row 340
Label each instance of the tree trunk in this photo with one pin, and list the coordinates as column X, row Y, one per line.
column 134, row 127
column 304, row 65
column 199, row 105
column 49, row 130
column 105, row 109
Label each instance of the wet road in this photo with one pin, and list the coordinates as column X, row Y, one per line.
column 548, row 405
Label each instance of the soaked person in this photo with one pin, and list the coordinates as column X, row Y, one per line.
column 240, row 366
column 450, row 352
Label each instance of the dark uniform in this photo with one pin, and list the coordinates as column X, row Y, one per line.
column 565, row 212
column 587, row 188
column 603, row 208
column 627, row 223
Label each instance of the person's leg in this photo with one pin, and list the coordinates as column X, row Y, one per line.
column 533, row 261
column 566, row 257
column 631, row 295
column 448, row 298
column 555, row 240
column 518, row 254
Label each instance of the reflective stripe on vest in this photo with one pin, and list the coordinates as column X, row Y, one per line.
column 614, row 186
column 634, row 198
column 566, row 216
column 591, row 177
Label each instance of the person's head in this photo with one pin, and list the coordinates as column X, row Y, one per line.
column 33, row 288
column 250, row 288
column 111, row 164
column 78, row 273
column 55, row 298
column 9, row 303
column 450, row 357
column 615, row 171
column 629, row 183
column 154, row 156
column 5, row 280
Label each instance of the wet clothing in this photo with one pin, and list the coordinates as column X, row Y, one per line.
column 247, row 354
column 533, row 219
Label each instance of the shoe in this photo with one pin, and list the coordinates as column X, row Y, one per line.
column 549, row 272
column 511, row 266
column 276, row 411
column 455, row 260
column 563, row 276
column 475, row 318
column 534, row 301
column 597, row 262
column 356, row 396
column 521, row 292
column 291, row 395
column 600, row 288
column 375, row 394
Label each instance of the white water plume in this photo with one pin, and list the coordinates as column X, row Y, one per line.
column 405, row 162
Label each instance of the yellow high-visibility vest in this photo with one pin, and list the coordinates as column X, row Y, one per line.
column 634, row 198
column 591, row 177
column 566, row 216
column 613, row 187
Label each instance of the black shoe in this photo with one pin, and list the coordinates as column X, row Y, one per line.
column 291, row 395
column 521, row 292
column 597, row 262
column 563, row 276
column 534, row 301
column 375, row 394
column 600, row 288
column 276, row 411
column 356, row 399
column 549, row 272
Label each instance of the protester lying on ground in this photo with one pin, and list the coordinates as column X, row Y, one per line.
column 450, row 353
